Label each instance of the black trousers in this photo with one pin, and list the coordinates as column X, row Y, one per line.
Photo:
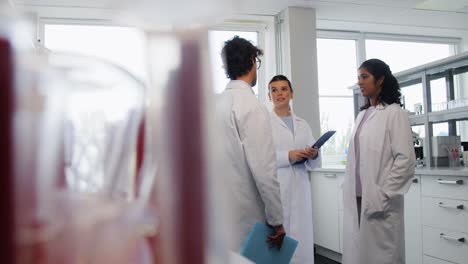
column 359, row 203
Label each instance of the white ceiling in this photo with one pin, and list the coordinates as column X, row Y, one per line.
column 429, row 15
column 435, row 5
column 440, row 14
column 65, row 3
column 441, row 5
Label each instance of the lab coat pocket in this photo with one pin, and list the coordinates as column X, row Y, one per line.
column 376, row 204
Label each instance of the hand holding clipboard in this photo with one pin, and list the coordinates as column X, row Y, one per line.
column 324, row 138
column 319, row 143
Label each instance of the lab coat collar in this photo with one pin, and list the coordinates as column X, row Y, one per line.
column 239, row 84
column 377, row 107
column 380, row 106
column 358, row 120
column 294, row 117
column 278, row 119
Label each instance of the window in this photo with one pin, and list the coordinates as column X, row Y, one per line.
column 95, row 116
column 334, row 80
column 461, row 129
column 461, row 81
column 403, row 55
column 412, row 95
column 440, row 129
column 216, row 42
column 438, row 94
column 120, row 45
column 399, row 52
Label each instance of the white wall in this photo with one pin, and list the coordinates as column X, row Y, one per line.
column 392, row 19
column 299, row 62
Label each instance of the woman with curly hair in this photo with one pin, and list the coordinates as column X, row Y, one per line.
column 380, row 165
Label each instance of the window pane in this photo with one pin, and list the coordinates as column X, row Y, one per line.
column 462, row 129
column 336, row 118
column 216, row 42
column 336, row 77
column 420, row 130
column 412, row 95
column 122, row 46
column 403, row 55
column 334, row 81
column 440, row 129
column 87, row 136
column 461, row 86
column 438, row 94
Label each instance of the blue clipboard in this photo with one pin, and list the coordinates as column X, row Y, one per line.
column 324, row 138
column 256, row 249
column 319, row 143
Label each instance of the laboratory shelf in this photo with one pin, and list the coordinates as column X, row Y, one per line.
column 416, row 120
column 455, row 114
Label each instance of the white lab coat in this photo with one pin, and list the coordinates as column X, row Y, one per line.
column 387, row 162
column 251, row 160
column 295, row 184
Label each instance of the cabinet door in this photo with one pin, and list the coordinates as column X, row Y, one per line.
column 413, row 229
column 450, row 187
column 445, row 244
column 340, row 209
column 445, row 213
column 340, row 215
column 325, row 209
column 431, row 260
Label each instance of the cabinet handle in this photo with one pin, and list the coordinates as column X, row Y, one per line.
column 330, row 175
column 459, row 182
column 415, row 180
column 459, row 207
column 461, row 239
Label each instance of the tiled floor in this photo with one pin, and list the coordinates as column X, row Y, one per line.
column 323, row 260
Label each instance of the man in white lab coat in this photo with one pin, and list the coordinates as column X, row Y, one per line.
column 250, row 153
column 379, row 169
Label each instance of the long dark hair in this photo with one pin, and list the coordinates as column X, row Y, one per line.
column 390, row 92
column 280, row 78
column 238, row 56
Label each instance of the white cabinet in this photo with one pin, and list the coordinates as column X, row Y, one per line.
column 340, row 215
column 340, row 209
column 445, row 218
column 413, row 230
column 451, row 187
column 446, row 245
column 326, row 193
column 436, row 215
column 431, row 260
column 445, row 213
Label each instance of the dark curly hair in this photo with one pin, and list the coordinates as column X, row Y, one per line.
column 390, row 92
column 238, row 56
column 280, row 77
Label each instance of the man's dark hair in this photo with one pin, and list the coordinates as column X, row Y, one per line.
column 238, row 56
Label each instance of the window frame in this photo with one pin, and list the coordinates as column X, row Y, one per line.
column 264, row 27
column 42, row 22
column 361, row 37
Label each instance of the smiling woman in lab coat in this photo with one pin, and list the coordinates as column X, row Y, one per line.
column 379, row 168
column 292, row 137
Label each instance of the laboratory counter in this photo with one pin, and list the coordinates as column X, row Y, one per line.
column 447, row 171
